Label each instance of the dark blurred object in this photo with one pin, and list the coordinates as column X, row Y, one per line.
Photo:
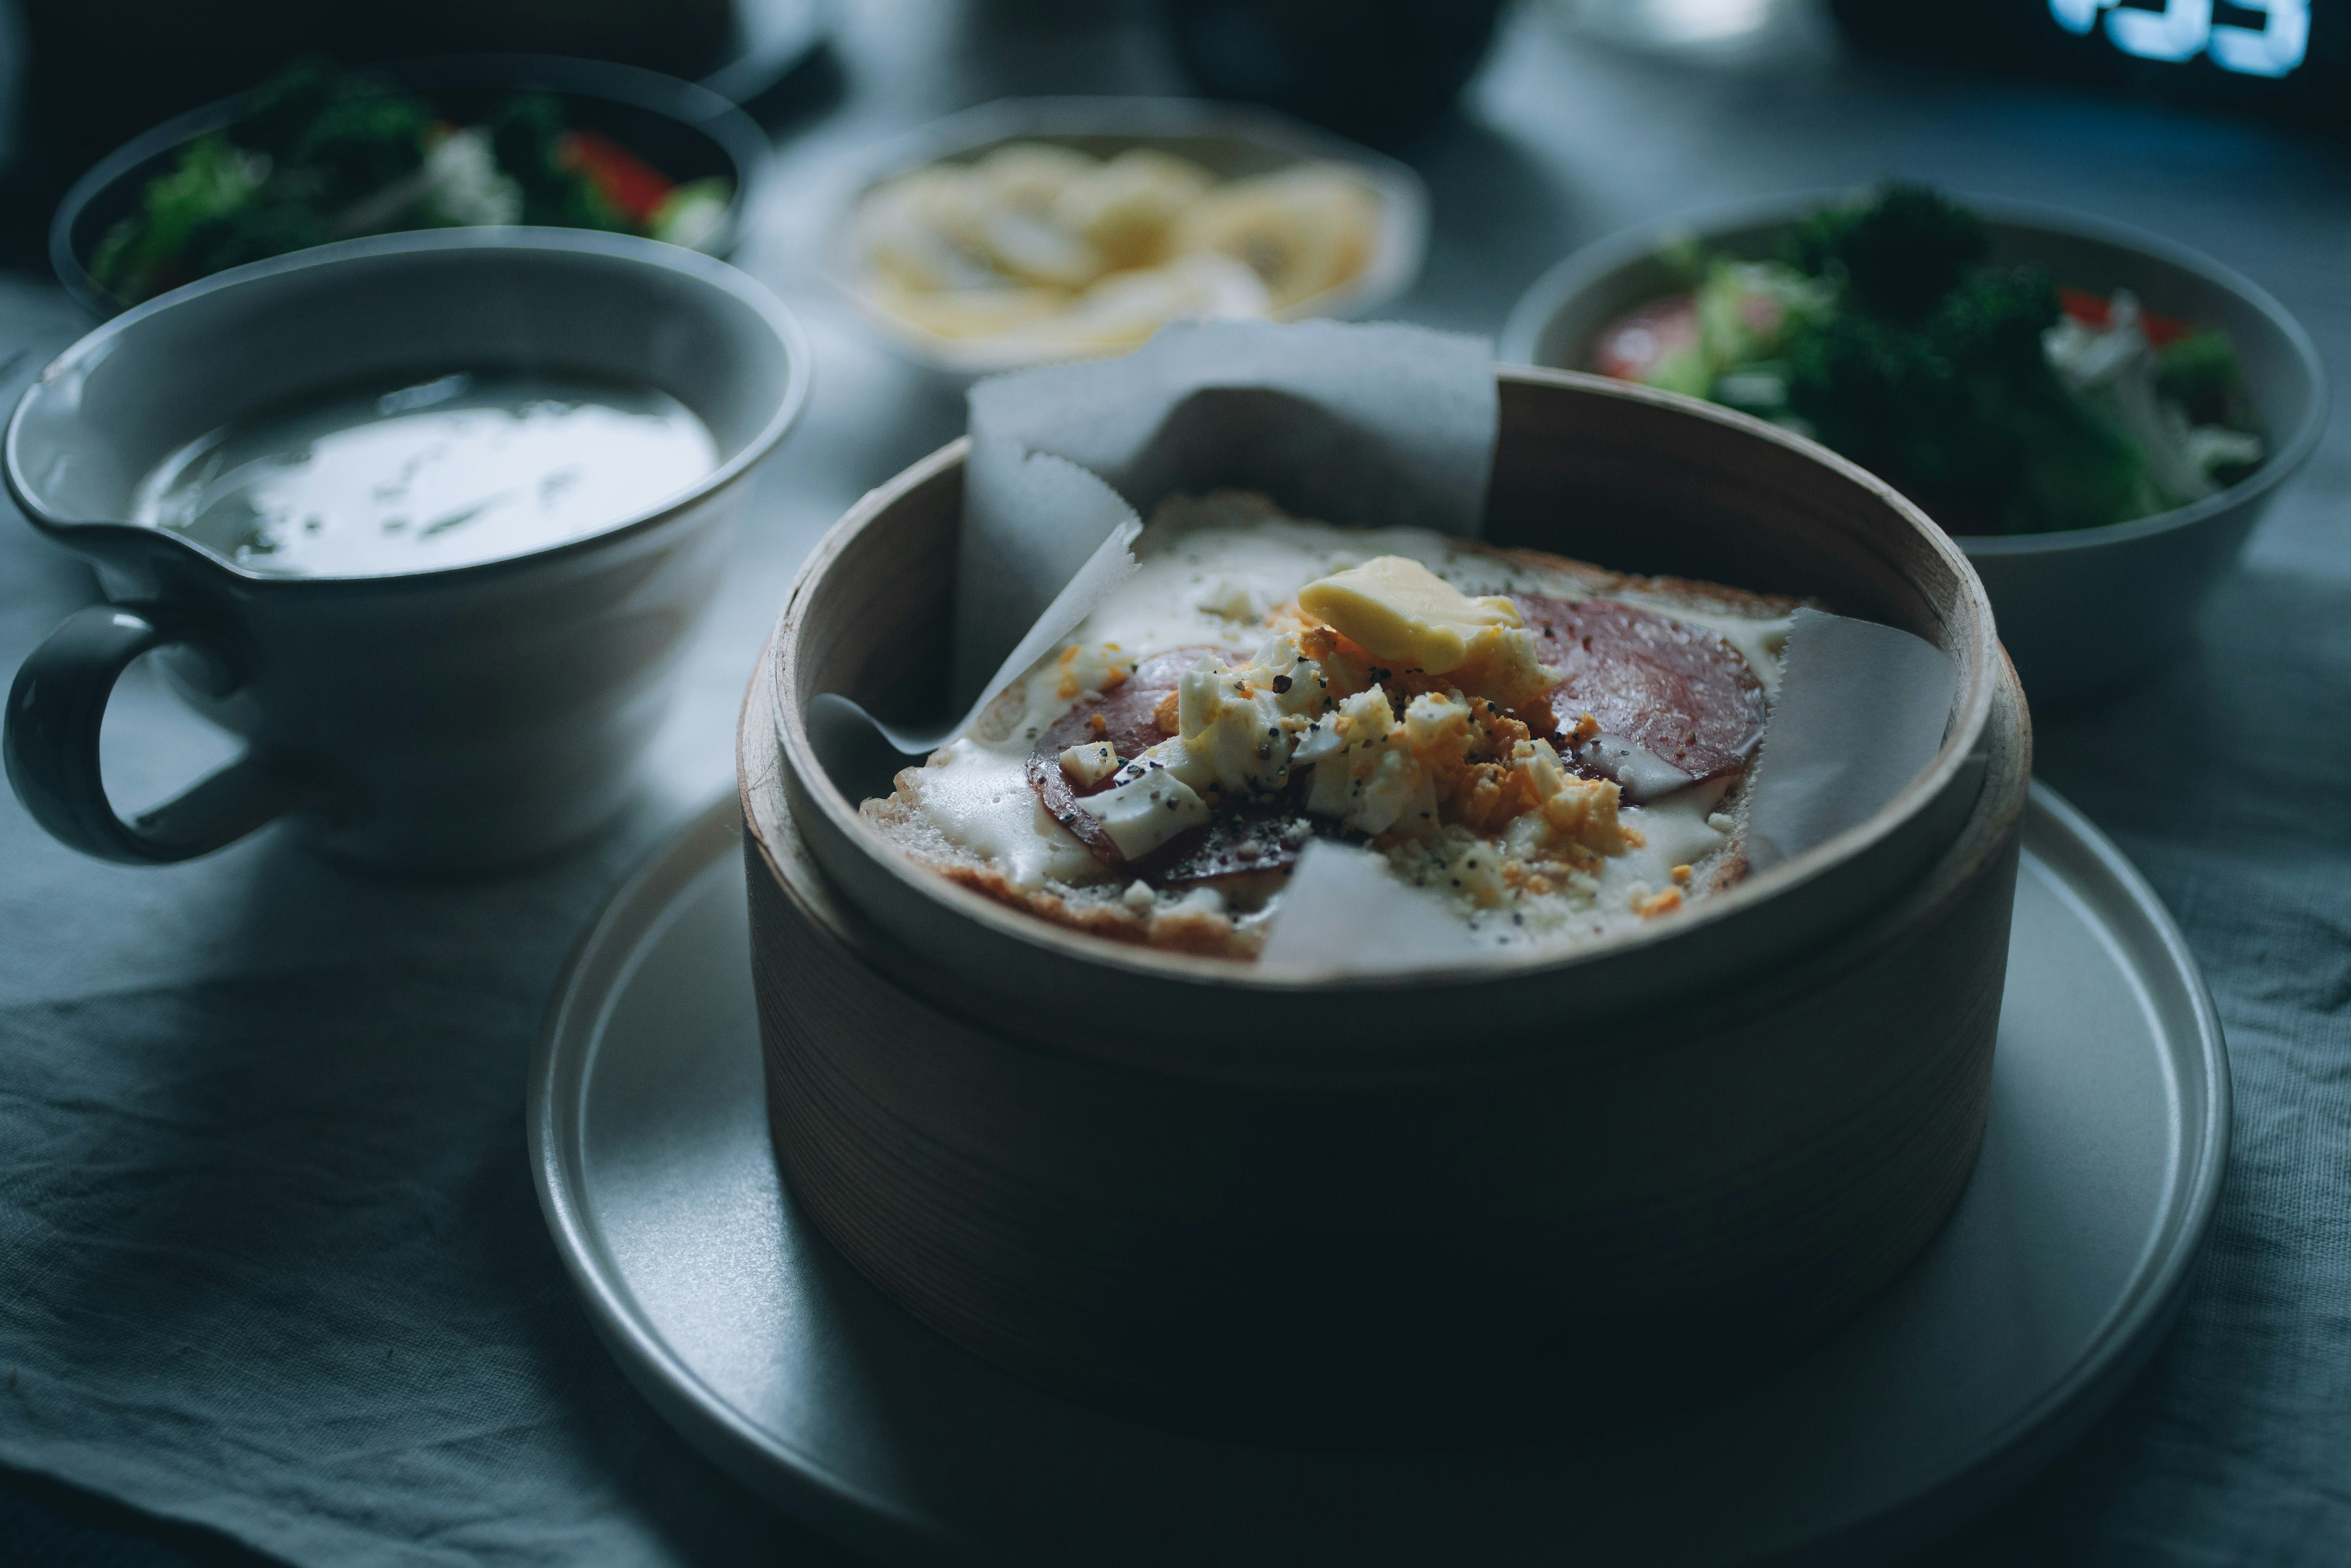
column 96, row 74
column 777, row 67
column 1028, row 17
column 1713, row 32
column 1380, row 71
column 2288, row 58
column 45, row 1521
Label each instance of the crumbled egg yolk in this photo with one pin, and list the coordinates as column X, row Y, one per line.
column 1649, row 905
column 1090, row 667
column 1437, row 766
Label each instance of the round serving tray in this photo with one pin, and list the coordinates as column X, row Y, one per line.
column 2052, row 1283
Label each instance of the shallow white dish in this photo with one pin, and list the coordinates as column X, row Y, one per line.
column 2053, row 1281
column 1228, row 140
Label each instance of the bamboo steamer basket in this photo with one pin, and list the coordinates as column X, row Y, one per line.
column 1429, row 1205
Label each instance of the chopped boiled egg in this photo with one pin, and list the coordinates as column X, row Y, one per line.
column 1146, row 807
column 1089, row 764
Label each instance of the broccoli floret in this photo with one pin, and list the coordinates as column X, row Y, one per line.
column 2070, row 469
column 527, row 132
column 146, row 252
column 2055, row 463
column 286, row 104
column 253, row 232
column 1888, row 398
column 362, row 141
column 1744, row 309
column 1867, row 389
column 2199, row 372
column 524, row 129
column 1962, row 413
column 1930, row 367
column 1993, row 320
column 2064, row 466
column 1898, row 255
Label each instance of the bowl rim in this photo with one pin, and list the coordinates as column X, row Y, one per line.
column 696, row 107
column 1590, row 264
column 1395, row 265
column 629, row 250
column 1972, row 708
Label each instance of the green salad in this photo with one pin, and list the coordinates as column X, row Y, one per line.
column 328, row 155
column 1997, row 398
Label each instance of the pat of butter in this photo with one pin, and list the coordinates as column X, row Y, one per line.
column 1400, row 610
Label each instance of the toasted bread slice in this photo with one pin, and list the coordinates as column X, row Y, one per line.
column 1221, row 574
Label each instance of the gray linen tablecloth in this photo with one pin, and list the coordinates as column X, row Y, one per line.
column 270, row 1258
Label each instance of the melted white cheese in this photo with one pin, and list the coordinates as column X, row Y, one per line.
column 978, row 797
column 1211, row 584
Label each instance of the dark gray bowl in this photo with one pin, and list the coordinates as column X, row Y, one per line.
column 685, row 131
column 2080, row 611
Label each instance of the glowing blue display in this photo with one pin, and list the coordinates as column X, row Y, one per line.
column 2183, row 29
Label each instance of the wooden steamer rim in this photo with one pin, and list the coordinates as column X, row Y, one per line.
column 1303, row 1208
column 1774, row 510
column 1609, row 1222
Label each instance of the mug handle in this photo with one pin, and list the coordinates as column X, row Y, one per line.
column 51, row 746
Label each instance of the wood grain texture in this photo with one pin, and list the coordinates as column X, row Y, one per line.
column 1438, row 1207
column 1609, row 1214
column 1584, row 466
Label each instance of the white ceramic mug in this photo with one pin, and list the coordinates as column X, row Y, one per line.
column 435, row 721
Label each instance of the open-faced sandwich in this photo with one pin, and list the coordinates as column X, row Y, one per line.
column 1551, row 750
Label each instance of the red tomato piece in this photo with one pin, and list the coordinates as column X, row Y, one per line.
column 632, row 185
column 1629, row 347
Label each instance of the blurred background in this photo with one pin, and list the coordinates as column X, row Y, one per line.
column 1538, row 126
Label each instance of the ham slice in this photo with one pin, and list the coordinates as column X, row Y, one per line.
column 1675, row 702
column 1253, row 840
column 1127, row 716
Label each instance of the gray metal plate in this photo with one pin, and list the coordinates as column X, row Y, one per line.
column 2051, row 1282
